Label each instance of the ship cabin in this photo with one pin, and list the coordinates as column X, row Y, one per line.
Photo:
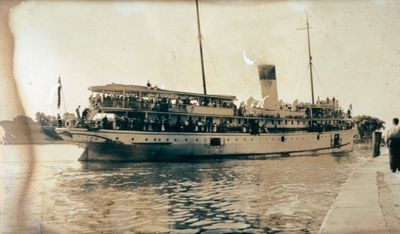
column 149, row 108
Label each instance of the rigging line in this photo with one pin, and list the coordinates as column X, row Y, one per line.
column 211, row 60
column 193, row 55
column 321, row 83
column 300, row 88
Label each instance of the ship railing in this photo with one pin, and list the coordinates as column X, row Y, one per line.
column 145, row 105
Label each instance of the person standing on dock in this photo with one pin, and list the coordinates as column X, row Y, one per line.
column 393, row 144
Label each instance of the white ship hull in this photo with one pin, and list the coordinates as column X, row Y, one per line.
column 112, row 145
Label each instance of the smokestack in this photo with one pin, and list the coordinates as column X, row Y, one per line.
column 269, row 90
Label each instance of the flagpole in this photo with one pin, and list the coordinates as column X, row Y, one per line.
column 62, row 93
column 200, row 37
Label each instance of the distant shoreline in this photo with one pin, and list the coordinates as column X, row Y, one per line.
column 59, row 142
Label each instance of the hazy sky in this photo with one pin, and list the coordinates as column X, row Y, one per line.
column 355, row 45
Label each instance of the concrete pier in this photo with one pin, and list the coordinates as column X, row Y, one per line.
column 368, row 201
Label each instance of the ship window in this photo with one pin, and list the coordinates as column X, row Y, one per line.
column 244, row 139
column 116, row 138
column 228, row 139
column 292, row 122
column 197, row 139
column 155, row 139
column 236, row 139
column 186, row 139
column 159, row 139
column 285, row 121
column 215, row 141
column 175, row 139
column 272, row 121
column 145, row 139
column 133, row 139
column 167, row 139
column 279, row 122
column 298, row 122
column 282, row 138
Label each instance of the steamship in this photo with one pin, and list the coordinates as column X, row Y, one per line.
column 146, row 123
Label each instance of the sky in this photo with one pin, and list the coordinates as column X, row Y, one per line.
column 355, row 47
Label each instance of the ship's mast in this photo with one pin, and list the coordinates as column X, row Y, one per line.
column 310, row 62
column 201, row 48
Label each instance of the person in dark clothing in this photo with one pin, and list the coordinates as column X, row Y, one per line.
column 105, row 122
column 85, row 113
column 393, row 143
column 78, row 112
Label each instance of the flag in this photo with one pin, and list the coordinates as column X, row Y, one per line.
column 59, row 92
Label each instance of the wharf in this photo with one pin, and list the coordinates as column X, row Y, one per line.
column 368, row 201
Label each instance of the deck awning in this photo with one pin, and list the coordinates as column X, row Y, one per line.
column 121, row 89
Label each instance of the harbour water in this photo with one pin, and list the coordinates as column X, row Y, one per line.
column 291, row 194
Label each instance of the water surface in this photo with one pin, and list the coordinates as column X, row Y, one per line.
column 289, row 194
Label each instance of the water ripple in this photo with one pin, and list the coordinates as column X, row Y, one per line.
column 236, row 196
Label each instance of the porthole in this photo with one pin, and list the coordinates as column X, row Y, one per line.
column 145, row 139
column 155, row 139
column 117, row 138
column 186, row 139
column 133, row 139
column 175, row 139
column 197, row 139
column 167, row 139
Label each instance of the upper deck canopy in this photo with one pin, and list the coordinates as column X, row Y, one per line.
column 121, row 89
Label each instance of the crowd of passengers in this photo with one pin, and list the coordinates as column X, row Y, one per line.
column 167, row 104
column 200, row 125
column 161, row 125
column 153, row 103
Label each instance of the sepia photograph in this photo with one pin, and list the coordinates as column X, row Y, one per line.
column 199, row 116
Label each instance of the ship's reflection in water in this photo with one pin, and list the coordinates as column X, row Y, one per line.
column 216, row 196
